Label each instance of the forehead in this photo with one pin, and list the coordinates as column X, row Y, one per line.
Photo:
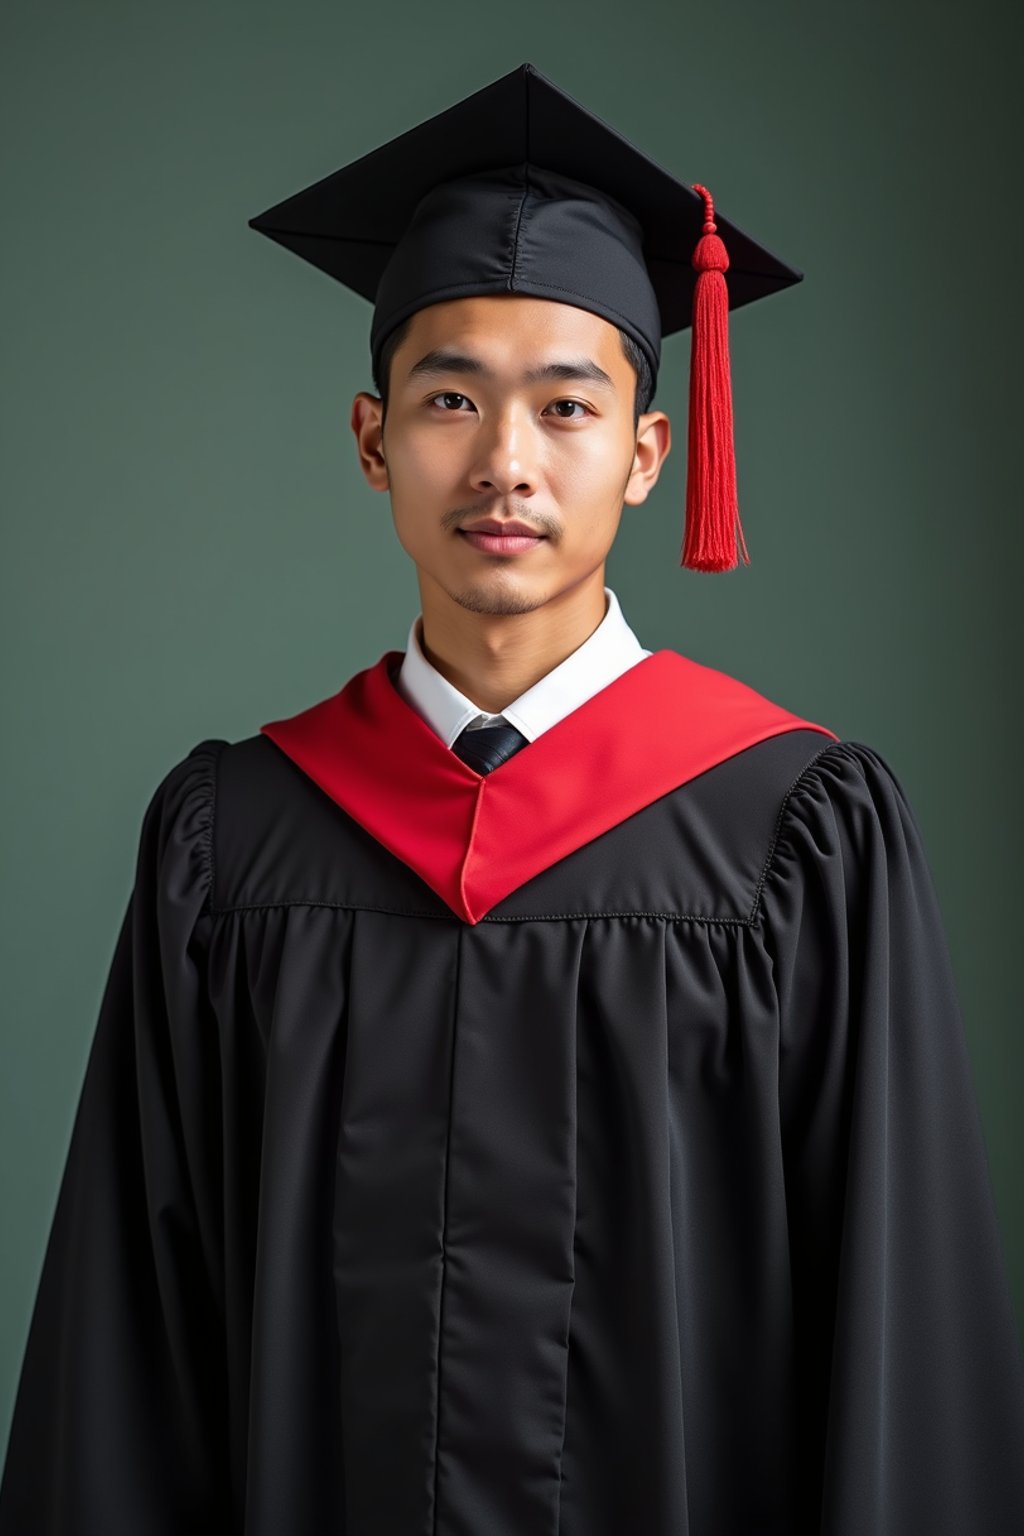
column 506, row 329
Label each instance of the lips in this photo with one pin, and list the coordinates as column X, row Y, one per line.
column 506, row 543
column 503, row 530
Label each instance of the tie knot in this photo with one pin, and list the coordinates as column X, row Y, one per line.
column 486, row 747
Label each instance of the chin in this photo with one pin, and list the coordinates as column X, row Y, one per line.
column 497, row 597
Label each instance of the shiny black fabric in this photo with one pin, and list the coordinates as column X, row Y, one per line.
column 654, row 1204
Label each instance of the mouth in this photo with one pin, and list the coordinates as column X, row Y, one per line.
column 491, row 543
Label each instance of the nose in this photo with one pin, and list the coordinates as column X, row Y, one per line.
column 506, row 455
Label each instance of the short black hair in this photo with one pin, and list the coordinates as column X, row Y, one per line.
column 642, row 395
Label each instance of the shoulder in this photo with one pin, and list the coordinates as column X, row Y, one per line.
column 266, row 831
column 760, row 749
column 844, row 824
column 191, row 778
column 840, row 777
column 218, row 779
column 175, row 844
column 799, row 763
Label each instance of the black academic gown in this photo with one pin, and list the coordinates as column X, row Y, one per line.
column 648, row 1198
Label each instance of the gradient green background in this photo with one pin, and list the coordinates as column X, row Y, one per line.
column 189, row 548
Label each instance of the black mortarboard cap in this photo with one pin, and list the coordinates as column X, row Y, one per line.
column 519, row 189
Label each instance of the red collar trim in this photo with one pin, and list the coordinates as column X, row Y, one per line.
column 474, row 838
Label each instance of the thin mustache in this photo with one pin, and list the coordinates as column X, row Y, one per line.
column 542, row 524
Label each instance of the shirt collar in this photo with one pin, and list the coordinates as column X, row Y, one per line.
column 603, row 656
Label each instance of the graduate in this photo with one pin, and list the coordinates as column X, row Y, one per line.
column 530, row 1095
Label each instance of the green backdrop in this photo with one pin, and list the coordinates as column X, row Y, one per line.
column 189, row 548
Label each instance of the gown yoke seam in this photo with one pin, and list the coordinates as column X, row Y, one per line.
column 757, row 911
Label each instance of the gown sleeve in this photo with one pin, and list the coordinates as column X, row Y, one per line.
column 910, row 1379
column 119, row 1417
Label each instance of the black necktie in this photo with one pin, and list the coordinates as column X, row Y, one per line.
column 485, row 747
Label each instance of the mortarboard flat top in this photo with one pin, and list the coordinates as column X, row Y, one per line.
column 349, row 223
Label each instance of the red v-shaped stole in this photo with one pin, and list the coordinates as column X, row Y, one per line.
column 474, row 838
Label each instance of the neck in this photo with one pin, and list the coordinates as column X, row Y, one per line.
column 494, row 657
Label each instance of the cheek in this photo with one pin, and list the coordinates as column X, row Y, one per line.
column 422, row 481
column 593, row 473
column 422, row 484
column 423, row 459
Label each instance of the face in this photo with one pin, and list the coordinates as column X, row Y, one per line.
column 506, row 407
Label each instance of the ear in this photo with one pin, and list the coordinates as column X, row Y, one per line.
column 653, row 445
column 366, row 423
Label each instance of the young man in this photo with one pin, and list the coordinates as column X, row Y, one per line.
column 530, row 1094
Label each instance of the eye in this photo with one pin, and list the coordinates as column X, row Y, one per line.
column 448, row 394
column 572, row 402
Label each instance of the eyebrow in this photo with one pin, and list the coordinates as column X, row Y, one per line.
column 445, row 360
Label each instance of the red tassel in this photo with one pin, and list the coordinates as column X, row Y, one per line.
column 712, row 511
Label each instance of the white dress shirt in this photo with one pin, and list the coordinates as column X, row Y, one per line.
column 611, row 650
